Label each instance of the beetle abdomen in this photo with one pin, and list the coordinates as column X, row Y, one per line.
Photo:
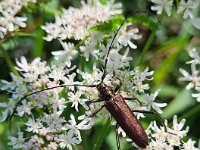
column 127, row 120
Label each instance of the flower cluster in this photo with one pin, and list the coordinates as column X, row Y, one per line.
column 193, row 78
column 75, row 22
column 184, row 7
column 49, row 90
column 160, row 139
column 9, row 19
column 49, row 129
column 50, row 125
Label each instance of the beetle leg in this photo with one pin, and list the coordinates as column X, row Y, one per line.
column 132, row 98
column 117, row 137
column 94, row 101
column 98, row 110
column 155, row 113
column 118, row 86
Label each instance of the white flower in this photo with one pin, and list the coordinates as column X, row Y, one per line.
column 57, row 104
column 67, row 53
column 150, row 98
column 17, row 81
column 139, row 86
column 189, row 145
column 9, row 107
column 94, row 77
column 24, row 66
column 76, row 99
column 74, row 23
column 173, row 136
column 69, row 80
column 54, row 121
column 194, row 54
column 89, row 49
column 20, row 91
column 193, row 79
column 25, row 107
column 9, row 20
column 57, row 74
column 54, row 30
column 116, row 60
column 142, row 75
column 52, row 146
column 121, row 131
column 187, row 8
column 178, row 127
column 35, row 142
column 67, row 140
column 197, row 96
column 74, row 128
column 17, row 143
column 159, row 145
column 162, row 4
column 125, row 36
column 104, row 49
column 33, row 126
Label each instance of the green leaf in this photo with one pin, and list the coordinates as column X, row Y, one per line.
column 170, row 50
column 111, row 25
column 180, row 103
column 102, row 135
column 104, row 1
column 8, row 60
column 168, row 90
column 111, row 140
column 145, row 20
column 39, row 43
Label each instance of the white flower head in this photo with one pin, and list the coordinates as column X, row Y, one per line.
column 126, row 35
column 76, row 99
column 189, row 145
column 197, row 96
column 193, row 79
column 89, row 49
column 150, row 98
column 162, row 4
column 33, row 126
column 17, row 142
column 178, row 127
column 194, row 54
column 25, row 107
column 187, row 8
column 67, row 53
column 67, row 140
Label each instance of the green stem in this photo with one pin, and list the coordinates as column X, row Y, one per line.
column 8, row 60
column 177, row 3
column 102, row 135
column 75, row 147
column 146, row 48
column 24, row 34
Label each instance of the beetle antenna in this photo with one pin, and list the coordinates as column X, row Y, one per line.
column 39, row 91
column 109, row 49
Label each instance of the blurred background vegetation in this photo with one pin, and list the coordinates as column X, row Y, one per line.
column 165, row 54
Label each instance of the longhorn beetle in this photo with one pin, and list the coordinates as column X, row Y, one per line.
column 115, row 104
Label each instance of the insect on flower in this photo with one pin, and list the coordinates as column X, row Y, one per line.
column 114, row 103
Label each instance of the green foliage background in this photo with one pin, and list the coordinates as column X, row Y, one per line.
column 162, row 48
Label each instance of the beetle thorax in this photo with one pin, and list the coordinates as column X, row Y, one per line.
column 105, row 91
